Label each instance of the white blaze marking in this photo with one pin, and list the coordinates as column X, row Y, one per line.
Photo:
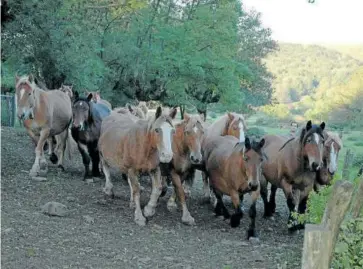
column 241, row 133
column 166, row 129
column 195, row 129
column 333, row 159
column 22, row 91
column 316, row 137
column 80, row 103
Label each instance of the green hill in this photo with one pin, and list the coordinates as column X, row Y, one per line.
column 304, row 70
column 355, row 51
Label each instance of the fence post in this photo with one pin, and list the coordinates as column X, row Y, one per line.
column 358, row 202
column 319, row 240
column 347, row 162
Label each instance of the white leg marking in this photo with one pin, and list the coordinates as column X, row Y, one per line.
column 132, row 202
column 171, row 205
column 108, row 189
column 241, row 133
column 149, row 209
column 186, row 217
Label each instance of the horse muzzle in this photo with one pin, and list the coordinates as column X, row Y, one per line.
column 165, row 157
column 315, row 167
column 195, row 158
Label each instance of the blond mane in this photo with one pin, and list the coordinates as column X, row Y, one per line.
column 217, row 127
column 335, row 137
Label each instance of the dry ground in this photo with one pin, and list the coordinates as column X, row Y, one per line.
column 101, row 234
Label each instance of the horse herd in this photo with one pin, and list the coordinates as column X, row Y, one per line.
column 136, row 144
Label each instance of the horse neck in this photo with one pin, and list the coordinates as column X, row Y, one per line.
column 179, row 141
column 38, row 94
column 235, row 161
column 219, row 127
column 294, row 152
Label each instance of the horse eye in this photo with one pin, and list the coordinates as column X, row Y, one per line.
column 261, row 159
column 29, row 93
column 245, row 158
column 173, row 131
column 157, row 130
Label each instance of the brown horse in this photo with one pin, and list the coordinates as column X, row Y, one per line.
column 234, row 168
column 134, row 148
column 96, row 97
column 68, row 89
column 186, row 152
column 139, row 111
column 287, row 160
column 229, row 124
column 44, row 114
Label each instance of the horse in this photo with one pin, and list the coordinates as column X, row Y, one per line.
column 86, row 127
column 234, row 168
column 139, row 111
column 229, row 124
column 44, row 114
column 67, row 89
column 186, row 152
column 287, row 160
column 136, row 147
column 96, row 97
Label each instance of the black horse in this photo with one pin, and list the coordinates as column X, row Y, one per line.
column 86, row 127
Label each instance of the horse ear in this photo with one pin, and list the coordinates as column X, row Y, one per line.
column 341, row 134
column 262, row 143
column 76, row 94
column 201, row 115
column 230, row 116
column 129, row 107
column 173, row 112
column 308, row 125
column 247, row 143
column 158, row 112
column 322, row 126
column 89, row 97
column 16, row 78
column 186, row 116
column 31, row 78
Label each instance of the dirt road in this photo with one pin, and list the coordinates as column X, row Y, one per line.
column 101, row 234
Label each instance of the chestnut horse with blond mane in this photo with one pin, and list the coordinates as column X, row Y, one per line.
column 229, row 124
column 136, row 147
column 234, row 168
column 186, row 153
column 44, row 114
column 287, row 160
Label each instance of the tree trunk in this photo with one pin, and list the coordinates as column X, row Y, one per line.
column 182, row 110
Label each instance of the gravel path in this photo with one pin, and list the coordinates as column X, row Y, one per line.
column 99, row 233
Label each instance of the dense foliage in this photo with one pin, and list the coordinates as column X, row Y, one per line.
column 179, row 53
column 317, row 83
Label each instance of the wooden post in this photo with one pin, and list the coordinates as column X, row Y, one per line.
column 358, row 201
column 315, row 237
column 319, row 240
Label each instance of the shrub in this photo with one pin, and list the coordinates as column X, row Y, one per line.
column 353, row 138
column 358, row 144
column 358, row 160
column 255, row 131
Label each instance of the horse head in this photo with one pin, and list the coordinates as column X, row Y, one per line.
column 311, row 142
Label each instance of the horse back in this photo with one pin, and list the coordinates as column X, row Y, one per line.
column 59, row 109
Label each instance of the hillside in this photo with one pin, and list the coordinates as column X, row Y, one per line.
column 355, row 51
column 304, row 70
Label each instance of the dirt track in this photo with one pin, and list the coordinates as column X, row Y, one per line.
column 100, row 234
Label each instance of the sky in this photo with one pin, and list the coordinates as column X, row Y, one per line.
column 325, row 21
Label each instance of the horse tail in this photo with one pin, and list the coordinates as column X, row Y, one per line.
column 69, row 142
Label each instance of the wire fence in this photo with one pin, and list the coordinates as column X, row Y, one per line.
column 8, row 111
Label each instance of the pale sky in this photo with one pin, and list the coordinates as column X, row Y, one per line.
column 325, row 21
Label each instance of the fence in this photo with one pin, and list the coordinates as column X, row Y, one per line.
column 8, row 110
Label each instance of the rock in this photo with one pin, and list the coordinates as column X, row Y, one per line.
column 144, row 259
column 54, row 209
column 88, row 219
column 170, row 259
column 7, row 230
column 254, row 240
column 39, row 179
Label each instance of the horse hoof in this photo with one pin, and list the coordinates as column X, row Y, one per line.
column 132, row 204
column 188, row 220
column 109, row 192
column 252, row 235
column 141, row 221
column 149, row 211
column 235, row 220
column 61, row 167
column 171, row 206
column 43, row 173
column 53, row 158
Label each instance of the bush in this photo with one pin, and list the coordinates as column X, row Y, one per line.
column 353, row 138
column 358, row 144
column 255, row 131
column 358, row 160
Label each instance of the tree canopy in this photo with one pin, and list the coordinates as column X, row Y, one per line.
column 180, row 53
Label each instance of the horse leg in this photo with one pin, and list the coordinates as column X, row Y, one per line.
column 252, row 213
column 206, row 188
column 108, row 189
column 188, row 181
column 61, row 141
column 272, row 201
column 238, row 214
column 134, row 182
column 86, row 160
column 95, row 157
column 264, row 191
column 292, row 222
column 186, row 217
column 220, row 209
column 44, row 134
column 149, row 209
column 171, row 205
